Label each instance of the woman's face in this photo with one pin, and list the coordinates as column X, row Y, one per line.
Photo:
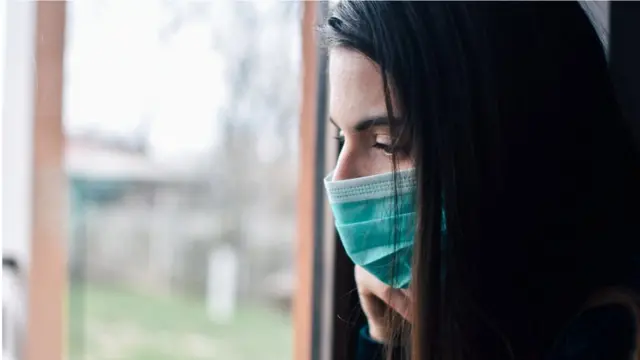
column 358, row 109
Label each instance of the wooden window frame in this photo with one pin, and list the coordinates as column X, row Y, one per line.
column 312, row 302
column 46, row 326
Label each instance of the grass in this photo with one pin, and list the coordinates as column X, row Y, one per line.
column 115, row 324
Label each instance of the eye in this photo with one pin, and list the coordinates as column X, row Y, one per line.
column 386, row 148
column 391, row 146
column 340, row 139
column 384, row 143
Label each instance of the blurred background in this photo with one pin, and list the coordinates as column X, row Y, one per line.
column 181, row 158
column 181, row 149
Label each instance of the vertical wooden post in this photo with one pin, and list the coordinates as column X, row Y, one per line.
column 46, row 326
column 303, row 297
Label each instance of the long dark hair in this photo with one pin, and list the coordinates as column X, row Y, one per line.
column 516, row 134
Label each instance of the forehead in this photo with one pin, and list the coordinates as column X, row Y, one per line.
column 356, row 87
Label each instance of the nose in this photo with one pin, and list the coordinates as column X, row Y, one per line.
column 346, row 167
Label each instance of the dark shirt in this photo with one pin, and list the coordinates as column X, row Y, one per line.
column 602, row 333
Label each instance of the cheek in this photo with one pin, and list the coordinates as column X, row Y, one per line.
column 405, row 164
column 379, row 162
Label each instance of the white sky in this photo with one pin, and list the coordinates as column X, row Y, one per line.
column 119, row 73
column 3, row 25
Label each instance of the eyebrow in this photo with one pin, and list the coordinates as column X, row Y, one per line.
column 368, row 123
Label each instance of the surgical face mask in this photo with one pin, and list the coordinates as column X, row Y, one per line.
column 376, row 227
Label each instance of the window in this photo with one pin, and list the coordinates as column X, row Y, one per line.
column 99, row 167
column 181, row 123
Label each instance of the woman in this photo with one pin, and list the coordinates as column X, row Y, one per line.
column 487, row 188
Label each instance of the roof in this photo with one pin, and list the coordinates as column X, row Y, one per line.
column 91, row 160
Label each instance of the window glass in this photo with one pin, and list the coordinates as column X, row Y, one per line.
column 181, row 156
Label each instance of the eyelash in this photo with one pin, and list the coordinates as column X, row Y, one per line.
column 387, row 149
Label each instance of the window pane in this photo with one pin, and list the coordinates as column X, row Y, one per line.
column 181, row 122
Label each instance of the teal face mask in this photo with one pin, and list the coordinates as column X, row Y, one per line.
column 366, row 214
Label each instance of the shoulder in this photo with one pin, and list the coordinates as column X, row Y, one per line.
column 605, row 332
